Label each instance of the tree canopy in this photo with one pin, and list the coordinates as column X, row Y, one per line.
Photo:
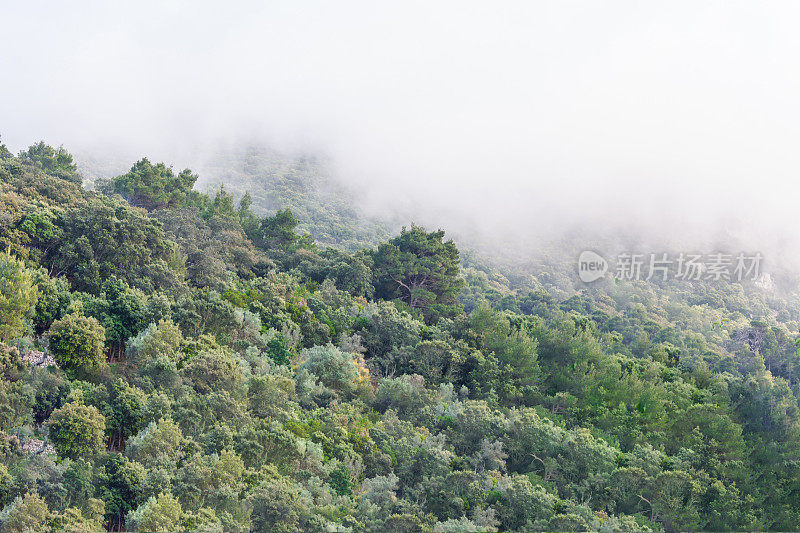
column 53, row 161
column 421, row 269
column 155, row 186
column 215, row 368
column 18, row 295
column 77, row 343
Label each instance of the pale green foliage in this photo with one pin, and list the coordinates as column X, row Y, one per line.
column 157, row 442
column 214, row 369
column 269, row 396
column 77, row 344
column 77, row 430
column 378, row 498
column 159, row 514
column 204, row 520
column 28, row 514
column 336, row 369
column 460, row 525
column 164, row 338
column 525, row 506
column 18, row 295
column 281, row 506
column 6, row 484
column 156, row 352
column 406, row 394
column 75, row 520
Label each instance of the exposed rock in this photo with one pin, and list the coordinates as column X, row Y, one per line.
column 38, row 446
column 40, row 359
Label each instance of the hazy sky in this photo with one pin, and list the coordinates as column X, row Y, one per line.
column 526, row 115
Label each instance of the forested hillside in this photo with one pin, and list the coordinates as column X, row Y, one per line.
column 172, row 360
column 323, row 205
column 273, row 180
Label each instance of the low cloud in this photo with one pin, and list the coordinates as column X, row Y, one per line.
column 523, row 120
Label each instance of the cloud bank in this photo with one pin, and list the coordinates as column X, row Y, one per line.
column 514, row 118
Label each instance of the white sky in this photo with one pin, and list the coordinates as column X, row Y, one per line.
column 525, row 115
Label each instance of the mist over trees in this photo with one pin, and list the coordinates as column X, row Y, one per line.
column 170, row 360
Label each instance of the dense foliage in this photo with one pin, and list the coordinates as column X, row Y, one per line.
column 154, row 186
column 217, row 370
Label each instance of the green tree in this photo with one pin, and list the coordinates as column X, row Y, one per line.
column 158, row 442
column 214, row 370
column 79, row 483
column 73, row 520
column 18, row 295
column 280, row 506
column 270, row 396
column 525, row 506
column 77, row 430
column 350, row 272
column 105, row 237
column 221, row 207
column 125, row 314
column 54, row 299
column 77, row 344
column 278, row 350
column 674, row 501
column 11, row 364
column 341, row 481
column 155, row 351
column 420, row 269
column 161, row 514
column 52, row 389
column 334, row 368
column 56, row 162
column 493, row 334
column 120, row 488
column 27, row 513
column 162, row 339
column 154, row 186
column 277, row 231
column 4, row 151
column 127, row 411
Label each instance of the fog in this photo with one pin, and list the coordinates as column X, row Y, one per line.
column 517, row 119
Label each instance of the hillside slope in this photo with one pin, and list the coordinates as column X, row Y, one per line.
column 174, row 361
